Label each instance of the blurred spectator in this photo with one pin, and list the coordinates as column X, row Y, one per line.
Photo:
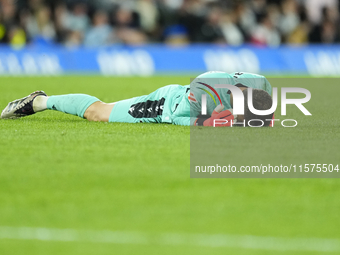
column 104, row 22
column 40, row 26
column 10, row 30
column 275, row 15
column 266, row 33
column 327, row 31
column 60, row 13
column 100, row 34
column 176, row 35
column 8, row 11
column 173, row 4
column 16, row 37
column 259, row 8
column 77, row 19
column 231, row 32
column 300, row 34
column 72, row 25
column 246, row 18
column 211, row 29
column 315, row 8
column 35, row 5
column 202, row 24
column 73, row 39
column 290, row 19
column 125, row 17
column 128, row 27
column 2, row 29
column 148, row 13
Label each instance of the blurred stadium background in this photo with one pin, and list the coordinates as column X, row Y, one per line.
column 147, row 37
column 68, row 186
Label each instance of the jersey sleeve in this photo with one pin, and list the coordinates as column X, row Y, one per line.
column 195, row 98
column 186, row 109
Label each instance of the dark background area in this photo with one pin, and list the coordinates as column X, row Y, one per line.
column 107, row 22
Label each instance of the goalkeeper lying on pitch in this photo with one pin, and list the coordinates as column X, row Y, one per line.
column 176, row 104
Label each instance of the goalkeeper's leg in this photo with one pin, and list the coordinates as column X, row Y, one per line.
column 81, row 105
column 148, row 108
column 84, row 106
column 99, row 111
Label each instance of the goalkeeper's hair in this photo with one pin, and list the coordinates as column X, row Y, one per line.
column 261, row 101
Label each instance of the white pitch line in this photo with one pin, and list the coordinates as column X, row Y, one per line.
column 174, row 239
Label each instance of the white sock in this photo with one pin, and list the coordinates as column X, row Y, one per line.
column 40, row 103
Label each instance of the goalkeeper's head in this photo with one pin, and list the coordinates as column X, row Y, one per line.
column 261, row 101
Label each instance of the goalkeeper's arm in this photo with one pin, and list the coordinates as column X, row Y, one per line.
column 219, row 118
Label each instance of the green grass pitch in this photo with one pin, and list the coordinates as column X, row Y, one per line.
column 61, row 172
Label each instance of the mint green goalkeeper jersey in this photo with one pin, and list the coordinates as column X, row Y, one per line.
column 180, row 105
column 184, row 109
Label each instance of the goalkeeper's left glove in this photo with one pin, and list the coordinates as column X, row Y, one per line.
column 218, row 118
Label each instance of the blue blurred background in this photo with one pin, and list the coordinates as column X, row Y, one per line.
column 148, row 37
